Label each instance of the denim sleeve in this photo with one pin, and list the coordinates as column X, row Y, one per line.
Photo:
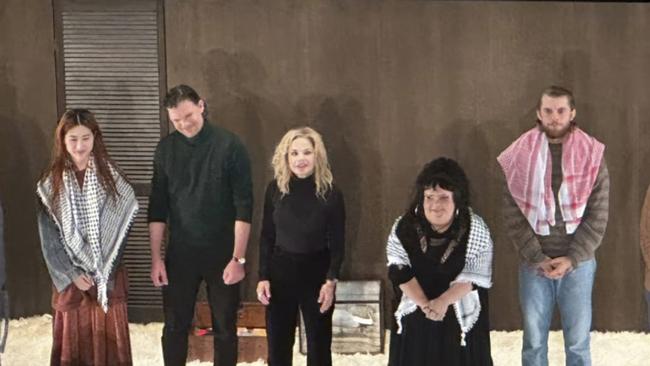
column 61, row 268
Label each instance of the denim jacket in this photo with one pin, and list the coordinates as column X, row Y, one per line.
column 61, row 268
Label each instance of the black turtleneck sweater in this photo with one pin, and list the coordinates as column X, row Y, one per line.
column 200, row 186
column 302, row 223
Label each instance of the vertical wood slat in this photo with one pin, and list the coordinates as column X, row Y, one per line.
column 111, row 67
column 110, row 62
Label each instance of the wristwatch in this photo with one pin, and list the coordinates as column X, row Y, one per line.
column 241, row 260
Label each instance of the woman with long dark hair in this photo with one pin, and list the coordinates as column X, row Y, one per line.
column 87, row 207
column 440, row 263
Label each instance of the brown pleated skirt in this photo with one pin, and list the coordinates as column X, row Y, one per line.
column 83, row 335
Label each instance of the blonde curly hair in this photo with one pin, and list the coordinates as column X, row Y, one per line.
column 280, row 162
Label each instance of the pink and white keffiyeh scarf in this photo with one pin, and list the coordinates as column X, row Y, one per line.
column 526, row 164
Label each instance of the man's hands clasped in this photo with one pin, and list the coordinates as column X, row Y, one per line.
column 555, row 268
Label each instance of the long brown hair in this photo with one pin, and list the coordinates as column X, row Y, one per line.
column 61, row 159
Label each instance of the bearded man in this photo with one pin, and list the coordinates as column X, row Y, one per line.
column 555, row 208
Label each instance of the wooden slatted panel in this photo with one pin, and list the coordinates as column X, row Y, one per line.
column 112, row 66
column 138, row 262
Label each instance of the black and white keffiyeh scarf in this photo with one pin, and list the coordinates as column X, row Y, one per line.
column 92, row 225
column 477, row 270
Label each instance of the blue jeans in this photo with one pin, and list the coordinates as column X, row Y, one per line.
column 538, row 296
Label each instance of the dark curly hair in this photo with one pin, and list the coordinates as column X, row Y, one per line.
column 447, row 174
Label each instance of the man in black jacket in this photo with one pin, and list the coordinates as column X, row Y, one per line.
column 201, row 191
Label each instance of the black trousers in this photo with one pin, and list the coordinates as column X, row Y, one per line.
column 185, row 271
column 296, row 280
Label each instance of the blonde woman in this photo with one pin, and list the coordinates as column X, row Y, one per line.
column 301, row 248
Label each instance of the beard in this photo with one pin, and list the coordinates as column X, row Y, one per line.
column 554, row 133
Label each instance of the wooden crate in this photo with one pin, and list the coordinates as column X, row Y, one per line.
column 357, row 322
column 202, row 316
column 252, row 345
column 251, row 332
column 250, row 315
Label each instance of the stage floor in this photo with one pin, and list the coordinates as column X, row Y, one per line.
column 29, row 344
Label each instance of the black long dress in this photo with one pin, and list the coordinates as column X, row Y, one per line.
column 423, row 341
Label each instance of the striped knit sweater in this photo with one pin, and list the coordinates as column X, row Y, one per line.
column 579, row 246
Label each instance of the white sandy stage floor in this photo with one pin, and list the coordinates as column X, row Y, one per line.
column 29, row 344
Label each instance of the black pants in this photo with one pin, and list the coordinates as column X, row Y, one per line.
column 185, row 271
column 295, row 283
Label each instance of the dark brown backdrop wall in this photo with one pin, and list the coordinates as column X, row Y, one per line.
column 393, row 84
column 27, row 119
column 390, row 85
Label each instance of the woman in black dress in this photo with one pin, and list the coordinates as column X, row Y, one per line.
column 301, row 248
column 440, row 263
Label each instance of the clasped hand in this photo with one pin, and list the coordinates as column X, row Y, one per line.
column 435, row 309
column 555, row 268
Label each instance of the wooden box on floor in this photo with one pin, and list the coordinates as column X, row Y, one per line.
column 251, row 331
column 357, row 322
